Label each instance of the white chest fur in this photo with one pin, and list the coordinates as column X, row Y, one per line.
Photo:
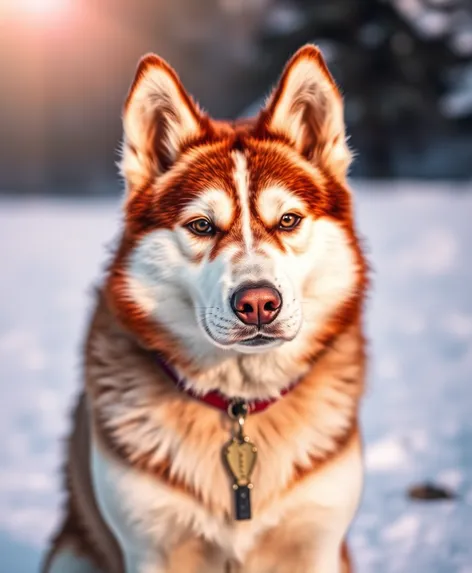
column 151, row 519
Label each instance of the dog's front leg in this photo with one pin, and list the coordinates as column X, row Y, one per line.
column 307, row 540
column 295, row 558
column 131, row 506
column 147, row 519
column 188, row 555
column 327, row 563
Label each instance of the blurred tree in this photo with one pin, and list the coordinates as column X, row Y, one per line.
column 65, row 77
column 404, row 65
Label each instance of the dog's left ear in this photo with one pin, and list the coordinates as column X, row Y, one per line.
column 307, row 109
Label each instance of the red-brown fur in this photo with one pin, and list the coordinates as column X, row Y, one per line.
column 152, row 209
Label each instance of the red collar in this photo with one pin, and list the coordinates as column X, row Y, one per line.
column 215, row 398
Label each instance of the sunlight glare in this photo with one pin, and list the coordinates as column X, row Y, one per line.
column 43, row 9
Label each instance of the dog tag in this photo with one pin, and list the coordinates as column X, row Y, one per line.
column 242, row 502
column 240, row 456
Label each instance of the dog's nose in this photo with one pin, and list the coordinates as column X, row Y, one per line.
column 256, row 305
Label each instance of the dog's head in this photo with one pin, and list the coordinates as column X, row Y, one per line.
column 239, row 236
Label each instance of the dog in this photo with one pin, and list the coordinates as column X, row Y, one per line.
column 217, row 430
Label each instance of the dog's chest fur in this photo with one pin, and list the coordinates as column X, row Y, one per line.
column 143, row 509
column 157, row 467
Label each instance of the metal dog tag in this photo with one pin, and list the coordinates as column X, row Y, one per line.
column 242, row 502
column 241, row 455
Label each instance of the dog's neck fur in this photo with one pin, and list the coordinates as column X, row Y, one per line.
column 258, row 376
column 142, row 416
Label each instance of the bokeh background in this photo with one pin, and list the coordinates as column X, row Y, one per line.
column 405, row 68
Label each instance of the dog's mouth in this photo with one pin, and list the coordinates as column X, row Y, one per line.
column 258, row 340
column 247, row 340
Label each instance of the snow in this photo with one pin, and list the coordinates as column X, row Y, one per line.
column 416, row 415
column 385, row 455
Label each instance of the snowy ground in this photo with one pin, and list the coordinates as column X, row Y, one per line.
column 417, row 415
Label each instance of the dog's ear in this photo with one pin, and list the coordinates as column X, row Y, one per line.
column 159, row 118
column 307, row 109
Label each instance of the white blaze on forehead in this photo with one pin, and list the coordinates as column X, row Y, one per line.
column 214, row 204
column 273, row 202
column 241, row 180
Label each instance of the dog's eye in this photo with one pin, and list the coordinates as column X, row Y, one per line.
column 201, row 227
column 289, row 221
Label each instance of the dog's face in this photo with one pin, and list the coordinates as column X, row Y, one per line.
column 239, row 237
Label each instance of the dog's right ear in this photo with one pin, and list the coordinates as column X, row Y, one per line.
column 159, row 118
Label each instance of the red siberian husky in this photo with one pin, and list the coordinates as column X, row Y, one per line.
column 218, row 427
